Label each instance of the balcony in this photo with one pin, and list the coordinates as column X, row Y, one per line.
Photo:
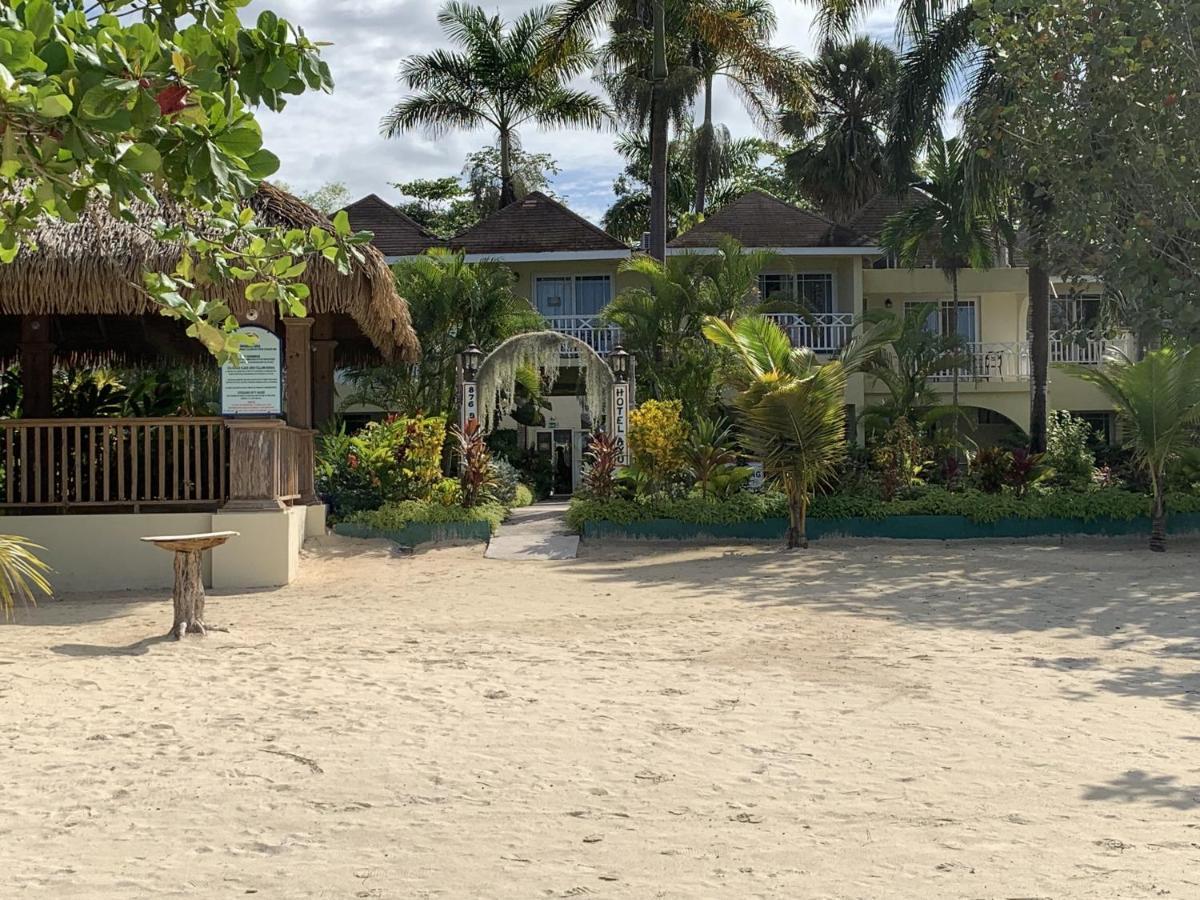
column 592, row 330
column 823, row 333
column 1000, row 362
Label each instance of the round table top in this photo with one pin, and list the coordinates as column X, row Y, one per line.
column 186, row 543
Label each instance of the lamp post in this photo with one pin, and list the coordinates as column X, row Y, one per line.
column 622, row 398
column 469, row 363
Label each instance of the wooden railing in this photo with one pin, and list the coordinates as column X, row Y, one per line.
column 271, row 465
column 65, row 463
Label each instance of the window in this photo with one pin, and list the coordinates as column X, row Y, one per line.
column 812, row 290
column 938, row 321
column 1074, row 314
column 578, row 295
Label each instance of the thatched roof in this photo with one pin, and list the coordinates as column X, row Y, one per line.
column 94, row 267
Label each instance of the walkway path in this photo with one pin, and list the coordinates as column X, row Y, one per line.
column 535, row 532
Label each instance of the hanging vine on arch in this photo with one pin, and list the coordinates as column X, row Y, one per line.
column 540, row 351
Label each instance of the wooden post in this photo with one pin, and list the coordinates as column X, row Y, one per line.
column 37, row 368
column 255, row 464
column 323, row 386
column 298, row 349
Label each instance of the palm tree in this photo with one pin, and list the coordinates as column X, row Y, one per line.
column 652, row 83
column 1158, row 404
column 905, row 368
column 22, row 573
column 840, row 159
column 733, row 169
column 661, row 322
column 499, row 80
column 942, row 54
column 949, row 223
column 453, row 304
column 791, row 408
column 759, row 73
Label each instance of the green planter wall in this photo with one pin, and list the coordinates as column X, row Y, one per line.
column 420, row 532
column 934, row 528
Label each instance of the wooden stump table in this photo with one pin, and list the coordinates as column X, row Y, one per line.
column 189, row 581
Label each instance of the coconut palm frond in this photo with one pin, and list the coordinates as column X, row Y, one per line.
column 23, row 575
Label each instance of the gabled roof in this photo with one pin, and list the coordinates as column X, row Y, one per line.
column 536, row 224
column 395, row 233
column 759, row 220
column 869, row 219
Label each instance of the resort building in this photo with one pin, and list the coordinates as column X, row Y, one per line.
column 569, row 270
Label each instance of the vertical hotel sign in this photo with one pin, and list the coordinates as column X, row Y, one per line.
column 470, row 403
column 621, row 420
column 254, row 386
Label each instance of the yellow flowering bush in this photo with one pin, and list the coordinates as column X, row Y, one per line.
column 657, row 439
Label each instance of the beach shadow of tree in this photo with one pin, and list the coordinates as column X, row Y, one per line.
column 1137, row 786
column 1109, row 589
column 138, row 648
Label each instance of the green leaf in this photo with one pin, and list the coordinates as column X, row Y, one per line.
column 341, row 223
column 39, row 18
column 142, row 158
column 242, row 141
column 55, row 105
column 262, row 164
column 102, row 102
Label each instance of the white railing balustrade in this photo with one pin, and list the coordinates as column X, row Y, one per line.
column 601, row 336
column 991, row 362
column 1084, row 350
column 823, row 333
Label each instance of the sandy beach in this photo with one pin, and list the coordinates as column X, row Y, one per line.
column 864, row 720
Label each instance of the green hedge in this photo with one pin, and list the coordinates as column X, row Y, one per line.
column 976, row 506
column 399, row 515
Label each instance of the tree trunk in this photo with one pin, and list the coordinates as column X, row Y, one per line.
column 704, row 148
column 659, row 135
column 1037, row 208
column 953, row 328
column 189, row 595
column 797, row 536
column 1158, row 518
column 508, row 191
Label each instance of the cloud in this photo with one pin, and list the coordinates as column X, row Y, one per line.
column 335, row 137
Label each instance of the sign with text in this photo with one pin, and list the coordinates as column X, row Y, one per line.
column 254, row 386
column 470, row 403
column 621, row 420
column 757, row 477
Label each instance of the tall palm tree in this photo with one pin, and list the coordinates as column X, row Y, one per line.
column 948, row 222
column 791, row 408
column 1158, row 404
column 499, row 80
column 760, row 74
column 839, row 161
column 644, row 51
column 942, row 54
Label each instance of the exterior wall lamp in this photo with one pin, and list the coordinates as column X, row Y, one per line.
column 618, row 361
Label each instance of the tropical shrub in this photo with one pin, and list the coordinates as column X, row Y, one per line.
column 602, row 456
column 447, row 492
column 506, row 479
column 990, row 469
column 1158, row 402
column 709, row 453
column 537, row 471
column 475, row 475
column 397, row 459
column 900, row 458
column 657, row 438
column 1068, row 449
column 524, row 496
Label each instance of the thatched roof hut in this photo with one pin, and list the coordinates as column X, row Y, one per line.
column 86, row 275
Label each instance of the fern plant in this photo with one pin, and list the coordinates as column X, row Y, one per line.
column 23, row 575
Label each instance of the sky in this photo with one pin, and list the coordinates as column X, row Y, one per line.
column 322, row 138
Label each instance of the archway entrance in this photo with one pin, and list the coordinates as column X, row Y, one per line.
column 488, row 388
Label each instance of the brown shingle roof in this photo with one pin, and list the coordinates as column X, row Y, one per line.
column 395, row 233
column 536, row 224
column 871, row 216
column 758, row 219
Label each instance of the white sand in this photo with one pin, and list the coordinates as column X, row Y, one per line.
column 862, row 720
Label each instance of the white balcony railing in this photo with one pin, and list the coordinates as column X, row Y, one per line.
column 823, row 333
column 592, row 330
column 1088, row 351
